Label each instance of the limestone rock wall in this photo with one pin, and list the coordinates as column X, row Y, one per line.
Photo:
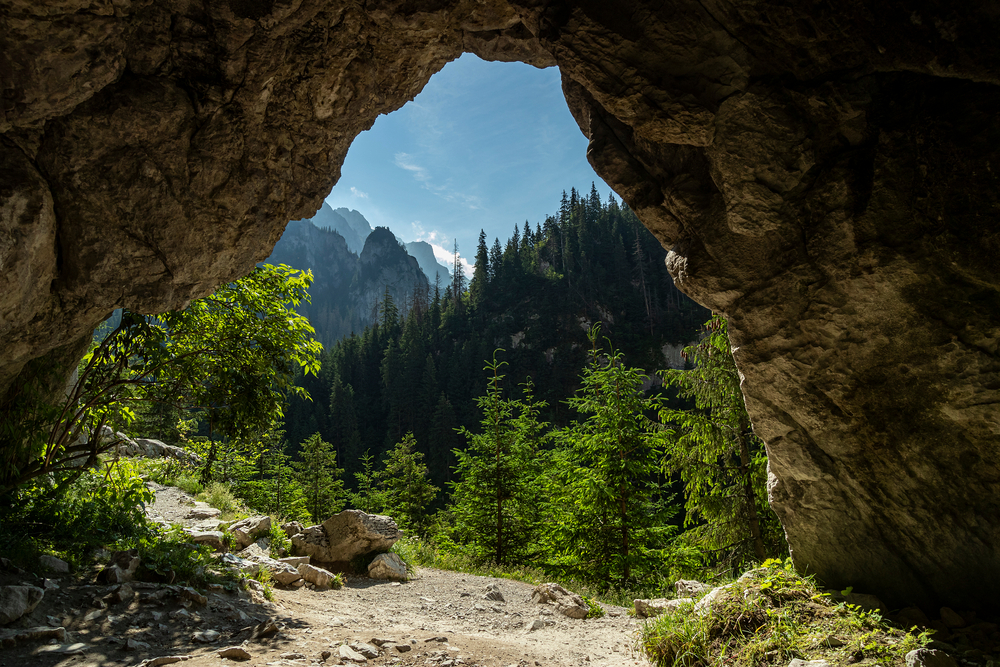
column 823, row 173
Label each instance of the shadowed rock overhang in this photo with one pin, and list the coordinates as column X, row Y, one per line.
column 823, row 173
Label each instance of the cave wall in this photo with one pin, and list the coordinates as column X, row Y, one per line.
column 823, row 173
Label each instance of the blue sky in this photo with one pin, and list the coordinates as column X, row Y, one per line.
column 484, row 145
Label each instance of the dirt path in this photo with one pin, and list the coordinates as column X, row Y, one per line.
column 442, row 616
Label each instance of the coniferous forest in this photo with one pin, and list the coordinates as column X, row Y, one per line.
column 527, row 416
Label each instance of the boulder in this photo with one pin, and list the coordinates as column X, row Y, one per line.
column 150, row 448
column 292, row 528
column 245, row 531
column 567, row 603
column 691, row 589
column 315, row 575
column 387, row 566
column 53, row 564
column 655, row 607
column 346, row 535
column 16, row 601
column 212, row 538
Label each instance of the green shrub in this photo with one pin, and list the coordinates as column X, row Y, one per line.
column 220, row 496
column 768, row 618
column 281, row 544
column 102, row 508
column 188, row 483
column 169, row 556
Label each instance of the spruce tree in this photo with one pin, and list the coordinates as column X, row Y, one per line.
column 493, row 499
column 714, row 451
column 407, row 491
column 613, row 513
column 319, row 477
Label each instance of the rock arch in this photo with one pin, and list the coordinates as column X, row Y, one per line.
column 824, row 173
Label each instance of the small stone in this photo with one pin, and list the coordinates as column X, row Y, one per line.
column 325, row 654
column 295, row 561
column 234, row 653
column 347, row 653
column 50, row 584
column 203, row 511
column 536, row 624
column 928, row 657
column 437, row 639
column 207, row 636
column 135, row 645
column 387, row 566
column 292, row 656
column 797, row 662
column 402, row 648
column 382, row 641
column 181, row 615
column 364, row 649
column 188, row 593
column 321, row 578
column 94, row 615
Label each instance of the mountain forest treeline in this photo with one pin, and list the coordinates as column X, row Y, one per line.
column 517, row 417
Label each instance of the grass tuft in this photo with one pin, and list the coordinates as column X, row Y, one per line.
column 768, row 617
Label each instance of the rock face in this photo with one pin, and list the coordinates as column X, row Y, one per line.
column 824, row 174
column 16, row 601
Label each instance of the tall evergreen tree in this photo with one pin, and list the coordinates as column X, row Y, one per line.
column 618, row 522
column 492, row 497
column 405, row 486
column 319, row 477
column 715, row 452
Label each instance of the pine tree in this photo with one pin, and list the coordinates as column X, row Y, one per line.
column 368, row 498
column 715, row 452
column 492, row 499
column 404, row 484
column 617, row 525
column 319, row 477
column 481, row 273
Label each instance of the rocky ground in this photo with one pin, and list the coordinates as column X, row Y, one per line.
column 438, row 618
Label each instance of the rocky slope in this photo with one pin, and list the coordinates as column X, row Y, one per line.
column 824, row 174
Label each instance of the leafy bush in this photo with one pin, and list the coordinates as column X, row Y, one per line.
column 102, row 508
column 281, row 544
column 220, row 496
column 169, row 556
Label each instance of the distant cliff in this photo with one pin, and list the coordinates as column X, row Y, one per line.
column 346, row 286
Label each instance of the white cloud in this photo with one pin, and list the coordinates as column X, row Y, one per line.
column 407, row 162
column 439, row 244
column 358, row 193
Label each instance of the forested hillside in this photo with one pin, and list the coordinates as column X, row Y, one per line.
column 534, row 296
column 347, row 286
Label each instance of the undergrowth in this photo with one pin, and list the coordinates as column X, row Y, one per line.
column 768, row 617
